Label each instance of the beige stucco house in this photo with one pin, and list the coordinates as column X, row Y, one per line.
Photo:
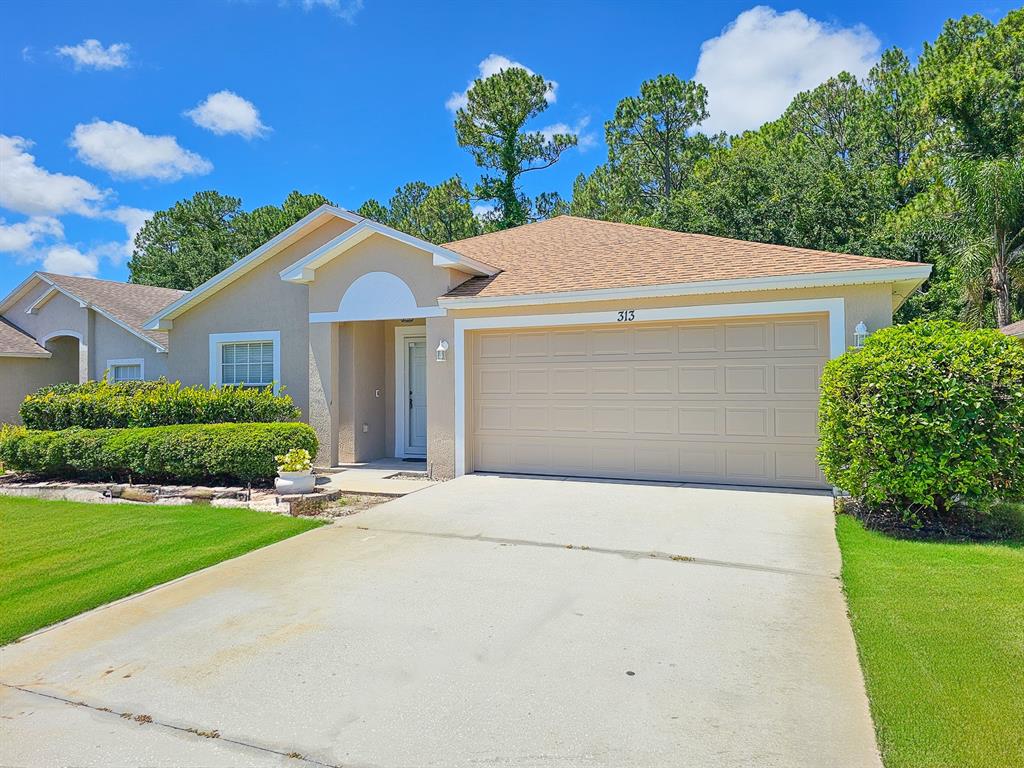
column 55, row 328
column 567, row 347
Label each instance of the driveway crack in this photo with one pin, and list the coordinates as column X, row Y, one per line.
column 629, row 554
column 196, row 731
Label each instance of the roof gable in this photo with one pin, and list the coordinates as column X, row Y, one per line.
column 14, row 342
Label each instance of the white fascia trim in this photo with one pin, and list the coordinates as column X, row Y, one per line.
column 119, row 323
column 139, row 361
column 39, row 303
column 304, row 270
column 835, row 308
column 218, row 339
column 813, row 280
column 402, row 334
column 22, row 288
column 162, row 320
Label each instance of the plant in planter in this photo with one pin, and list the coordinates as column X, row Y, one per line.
column 295, row 472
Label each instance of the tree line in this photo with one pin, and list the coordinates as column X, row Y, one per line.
column 920, row 161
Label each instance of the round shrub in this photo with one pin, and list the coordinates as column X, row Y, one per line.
column 927, row 415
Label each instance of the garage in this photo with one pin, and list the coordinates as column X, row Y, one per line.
column 718, row 401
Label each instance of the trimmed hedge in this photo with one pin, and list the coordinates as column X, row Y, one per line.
column 927, row 416
column 99, row 404
column 185, row 453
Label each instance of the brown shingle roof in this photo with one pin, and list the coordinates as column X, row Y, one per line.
column 568, row 253
column 130, row 303
column 1014, row 329
column 15, row 342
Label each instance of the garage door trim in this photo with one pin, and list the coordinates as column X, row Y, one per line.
column 834, row 308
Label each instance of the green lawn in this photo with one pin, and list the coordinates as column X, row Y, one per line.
column 60, row 558
column 940, row 629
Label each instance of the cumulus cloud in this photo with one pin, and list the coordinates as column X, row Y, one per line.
column 763, row 58
column 492, row 65
column 65, row 259
column 29, row 189
column 90, row 54
column 585, row 140
column 133, row 219
column 126, row 152
column 226, row 112
column 343, row 9
column 22, row 235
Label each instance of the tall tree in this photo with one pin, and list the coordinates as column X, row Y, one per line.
column 492, row 126
column 194, row 239
column 188, row 243
column 648, row 143
column 989, row 230
column 439, row 214
column 973, row 79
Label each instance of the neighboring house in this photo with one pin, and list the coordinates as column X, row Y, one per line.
column 55, row 328
column 566, row 347
column 1014, row 329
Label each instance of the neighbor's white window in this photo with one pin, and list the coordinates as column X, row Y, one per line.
column 247, row 362
column 252, row 359
column 126, row 370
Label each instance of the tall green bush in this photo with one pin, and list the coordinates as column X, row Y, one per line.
column 100, row 404
column 927, row 415
column 185, row 453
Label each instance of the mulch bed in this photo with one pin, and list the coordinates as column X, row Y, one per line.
column 964, row 527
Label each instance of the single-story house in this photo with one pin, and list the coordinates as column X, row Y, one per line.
column 1014, row 329
column 565, row 347
column 55, row 328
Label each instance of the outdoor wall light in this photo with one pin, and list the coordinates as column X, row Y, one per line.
column 442, row 351
column 860, row 334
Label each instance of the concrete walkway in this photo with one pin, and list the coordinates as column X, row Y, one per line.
column 484, row 621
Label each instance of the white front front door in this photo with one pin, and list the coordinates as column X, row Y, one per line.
column 416, row 386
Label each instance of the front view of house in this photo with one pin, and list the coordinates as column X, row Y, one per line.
column 565, row 347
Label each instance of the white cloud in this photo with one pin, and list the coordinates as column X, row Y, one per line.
column 343, row 9
column 584, row 140
column 226, row 112
column 22, row 235
column 764, row 58
column 67, row 260
column 133, row 219
column 492, row 65
column 126, row 152
column 90, row 54
column 34, row 191
column 483, row 210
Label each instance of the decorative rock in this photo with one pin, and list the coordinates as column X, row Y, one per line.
column 137, row 494
column 199, row 493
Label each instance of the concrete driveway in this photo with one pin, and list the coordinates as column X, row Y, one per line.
column 486, row 621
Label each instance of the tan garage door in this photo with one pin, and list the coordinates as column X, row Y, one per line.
column 724, row 401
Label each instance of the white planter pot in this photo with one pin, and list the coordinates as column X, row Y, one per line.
column 295, row 482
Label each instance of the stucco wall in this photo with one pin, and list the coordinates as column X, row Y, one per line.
column 112, row 342
column 257, row 301
column 20, row 376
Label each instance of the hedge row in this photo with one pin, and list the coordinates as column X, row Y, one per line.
column 99, row 404
column 187, row 453
column 929, row 414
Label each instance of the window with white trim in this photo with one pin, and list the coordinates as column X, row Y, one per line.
column 132, row 372
column 250, row 363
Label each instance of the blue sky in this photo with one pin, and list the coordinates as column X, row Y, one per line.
column 110, row 110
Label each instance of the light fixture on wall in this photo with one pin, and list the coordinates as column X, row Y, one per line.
column 442, row 351
column 860, row 334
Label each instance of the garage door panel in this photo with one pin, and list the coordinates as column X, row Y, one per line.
column 730, row 401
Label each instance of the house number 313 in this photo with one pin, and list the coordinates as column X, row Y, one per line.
column 626, row 315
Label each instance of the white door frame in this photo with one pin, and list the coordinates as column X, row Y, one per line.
column 403, row 334
column 835, row 308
